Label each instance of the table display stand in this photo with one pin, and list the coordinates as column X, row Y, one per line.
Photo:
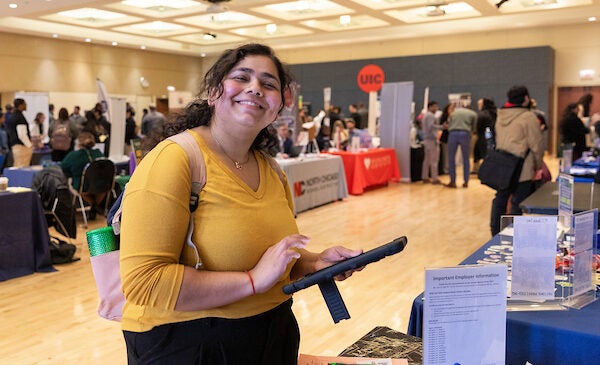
column 565, row 280
column 578, row 299
column 310, row 147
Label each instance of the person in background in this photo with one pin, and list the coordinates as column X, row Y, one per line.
column 232, row 310
column 517, row 132
column 74, row 163
column 285, row 144
column 541, row 116
column 51, row 114
column 151, row 119
column 486, row 119
column 77, row 118
column 62, row 133
column 460, row 127
column 353, row 109
column 586, row 102
column 323, row 137
column 37, row 131
column 430, row 129
column 339, row 135
column 335, row 114
column 572, row 130
column 363, row 135
column 9, row 112
column 130, row 130
column 3, row 136
column 364, row 115
column 444, row 118
column 4, row 149
column 19, row 138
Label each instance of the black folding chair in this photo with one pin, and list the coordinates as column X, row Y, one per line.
column 98, row 177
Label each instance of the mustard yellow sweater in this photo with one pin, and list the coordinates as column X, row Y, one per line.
column 234, row 225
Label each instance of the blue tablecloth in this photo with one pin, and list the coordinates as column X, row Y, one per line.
column 21, row 176
column 24, row 238
column 584, row 169
column 540, row 337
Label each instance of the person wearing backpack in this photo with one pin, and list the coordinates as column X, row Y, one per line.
column 230, row 307
column 62, row 133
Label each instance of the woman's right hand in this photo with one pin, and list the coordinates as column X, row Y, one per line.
column 275, row 260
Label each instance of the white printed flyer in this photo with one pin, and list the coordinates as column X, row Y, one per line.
column 534, row 257
column 464, row 315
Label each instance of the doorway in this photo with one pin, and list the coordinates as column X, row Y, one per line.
column 571, row 94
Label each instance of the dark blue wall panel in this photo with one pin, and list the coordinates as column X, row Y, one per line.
column 483, row 74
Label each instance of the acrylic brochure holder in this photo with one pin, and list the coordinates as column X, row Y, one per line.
column 574, row 244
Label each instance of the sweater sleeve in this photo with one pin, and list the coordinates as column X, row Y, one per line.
column 154, row 225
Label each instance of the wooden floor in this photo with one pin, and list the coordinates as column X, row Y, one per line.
column 50, row 318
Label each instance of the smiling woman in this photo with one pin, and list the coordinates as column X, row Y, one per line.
column 243, row 227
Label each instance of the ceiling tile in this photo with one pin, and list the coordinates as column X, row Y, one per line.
column 356, row 22
column 304, row 9
column 198, row 38
column 91, row 17
column 156, row 29
column 226, row 20
column 261, row 32
column 159, row 8
column 434, row 13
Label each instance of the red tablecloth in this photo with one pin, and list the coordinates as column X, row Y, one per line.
column 369, row 168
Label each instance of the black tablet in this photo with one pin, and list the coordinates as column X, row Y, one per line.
column 361, row 260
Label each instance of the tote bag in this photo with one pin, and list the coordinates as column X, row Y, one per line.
column 104, row 247
column 500, row 170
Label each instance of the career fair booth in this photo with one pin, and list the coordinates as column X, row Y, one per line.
column 545, row 268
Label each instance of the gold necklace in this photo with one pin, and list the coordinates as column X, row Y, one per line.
column 238, row 164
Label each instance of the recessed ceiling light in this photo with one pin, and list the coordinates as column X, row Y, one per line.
column 115, row 43
column 88, row 40
column 592, row 19
column 271, row 28
column 171, row 88
column 345, row 20
column 157, row 27
column 13, row 5
column 202, row 54
column 142, row 47
column 54, row 35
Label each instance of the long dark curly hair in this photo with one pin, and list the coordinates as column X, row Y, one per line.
column 199, row 112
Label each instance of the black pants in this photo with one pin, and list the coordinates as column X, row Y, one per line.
column 500, row 203
column 269, row 338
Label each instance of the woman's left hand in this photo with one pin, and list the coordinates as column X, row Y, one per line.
column 336, row 254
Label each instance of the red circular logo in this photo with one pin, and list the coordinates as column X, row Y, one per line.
column 370, row 78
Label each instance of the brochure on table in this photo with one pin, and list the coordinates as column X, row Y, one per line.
column 465, row 315
column 581, row 242
column 534, row 258
column 566, row 193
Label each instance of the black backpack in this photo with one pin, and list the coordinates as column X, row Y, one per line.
column 62, row 252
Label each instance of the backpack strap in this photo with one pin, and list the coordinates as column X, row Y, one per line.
column 197, row 166
column 275, row 166
column 198, row 178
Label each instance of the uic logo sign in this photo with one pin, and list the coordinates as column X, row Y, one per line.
column 370, row 78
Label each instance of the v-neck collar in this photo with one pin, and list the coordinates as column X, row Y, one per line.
column 260, row 191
